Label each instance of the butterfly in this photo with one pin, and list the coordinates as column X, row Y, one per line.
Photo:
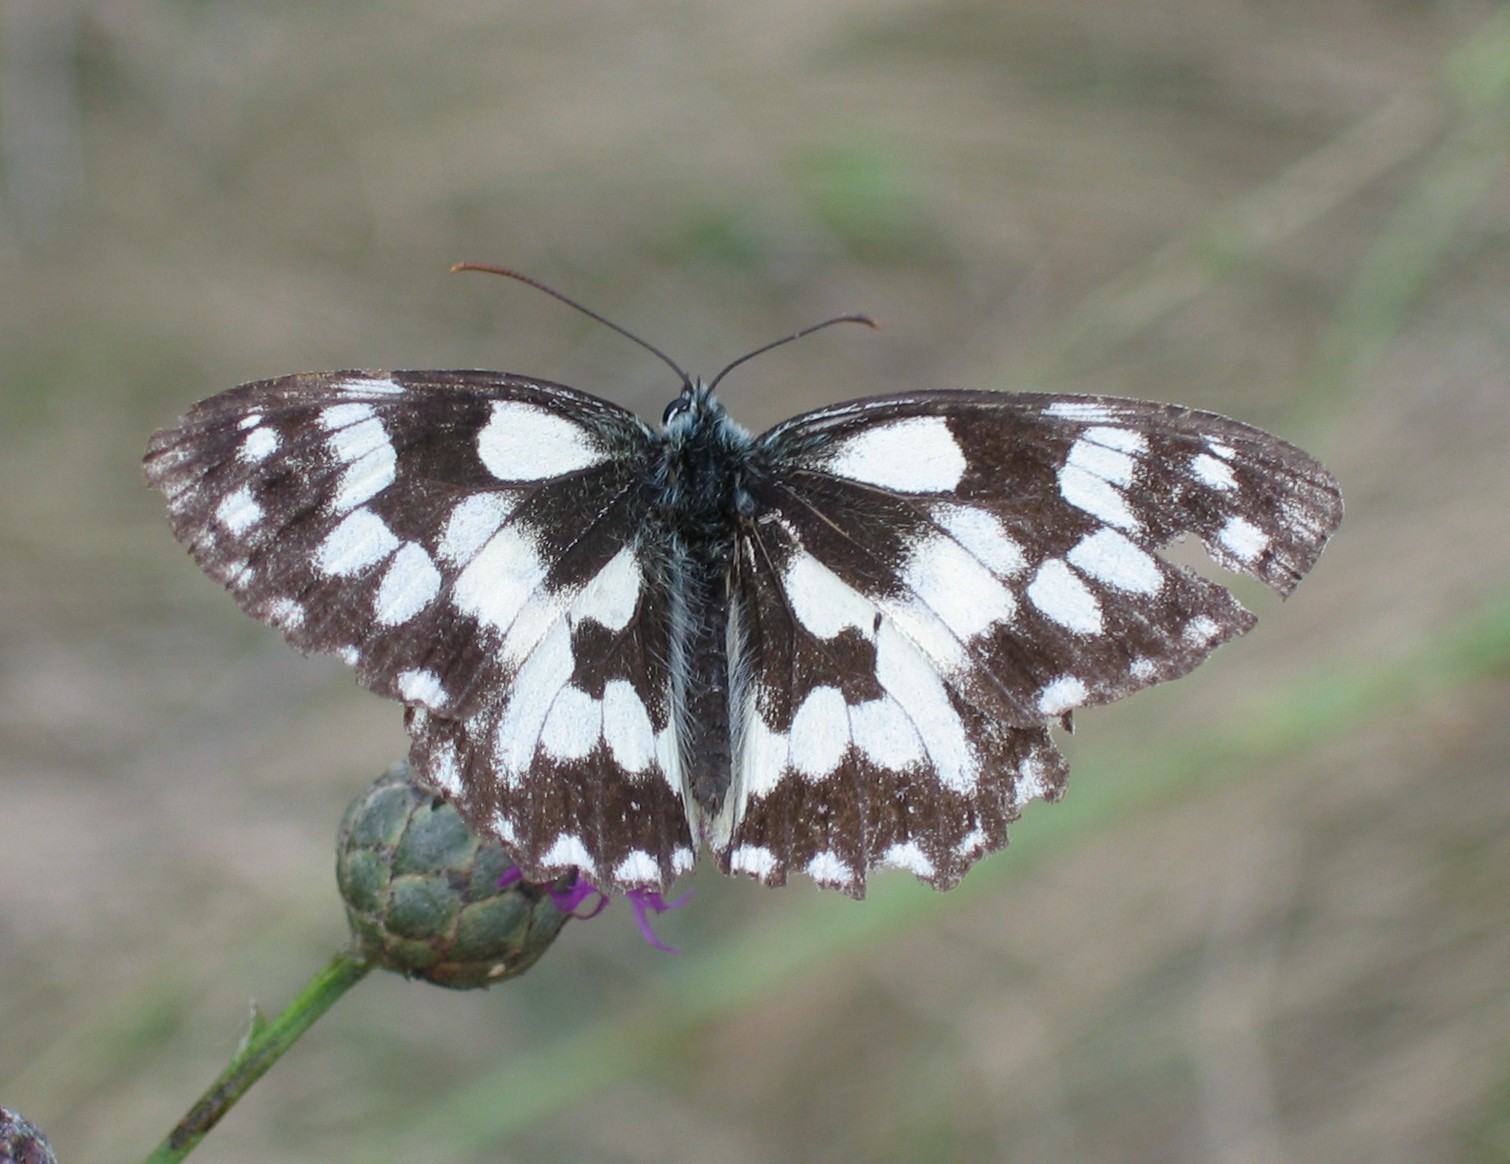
column 836, row 646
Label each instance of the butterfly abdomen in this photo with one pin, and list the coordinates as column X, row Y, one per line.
column 700, row 502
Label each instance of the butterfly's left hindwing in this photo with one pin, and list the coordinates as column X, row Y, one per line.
column 469, row 542
column 851, row 749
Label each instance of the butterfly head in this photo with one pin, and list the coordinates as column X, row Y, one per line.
column 705, row 460
column 696, row 403
column 700, row 427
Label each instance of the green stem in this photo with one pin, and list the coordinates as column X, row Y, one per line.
column 263, row 1046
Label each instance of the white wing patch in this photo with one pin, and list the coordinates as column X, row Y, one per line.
column 1061, row 596
column 286, row 613
column 523, row 442
column 361, row 539
column 1200, row 630
column 359, row 441
column 472, row 524
column 423, row 687
column 917, row 454
column 822, row 602
column 627, row 729
column 922, row 625
column 1111, row 558
column 1031, row 782
column 913, row 683
column 369, row 387
column 531, row 696
column 885, row 735
column 259, row 444
column 1083, row 410
column 569, row 850
column 1061, row 695
column 573, row 725
column 953, row 584
column 1103, row 453
column 760, row 762
column 982, row 535
column 909, row 856
column 500, row 578
column 830, row 869
column 239, row 511
column 445, row 770
column 1213, row 473
column 1244, row 539
column 756, row 860
column 638, row 866
column 1095, row 495
column 611, row 598
column 410, row 584
column 1122, row 439
column 821, row 732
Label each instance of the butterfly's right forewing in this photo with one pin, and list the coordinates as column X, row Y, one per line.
column 481, row 547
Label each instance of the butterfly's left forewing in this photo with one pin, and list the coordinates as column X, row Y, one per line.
column 480, row 547
column 932, row 579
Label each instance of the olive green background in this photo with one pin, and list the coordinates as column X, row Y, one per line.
column 1269, row 921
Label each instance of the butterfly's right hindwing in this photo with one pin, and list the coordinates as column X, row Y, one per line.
column 577, row 765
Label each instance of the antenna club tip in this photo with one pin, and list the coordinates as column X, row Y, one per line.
column 506, row 272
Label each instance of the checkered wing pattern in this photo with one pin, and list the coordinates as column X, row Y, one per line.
column 481, row 547
column 930, row 580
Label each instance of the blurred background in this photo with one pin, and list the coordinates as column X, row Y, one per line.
column 1269, row 921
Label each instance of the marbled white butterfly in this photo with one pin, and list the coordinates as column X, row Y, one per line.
column 835, row 646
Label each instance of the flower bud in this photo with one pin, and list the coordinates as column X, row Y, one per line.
column 22, row 1142
column 427, row 898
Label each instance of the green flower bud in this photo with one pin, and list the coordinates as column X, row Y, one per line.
column 22, row 1142
column 429, row 899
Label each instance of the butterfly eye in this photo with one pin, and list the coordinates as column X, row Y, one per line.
column 679, row 405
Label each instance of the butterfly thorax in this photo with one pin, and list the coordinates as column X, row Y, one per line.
column 701, row 497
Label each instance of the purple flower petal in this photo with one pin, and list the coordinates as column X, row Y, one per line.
column 644, row 901
column 567, row 900
column 648, row 901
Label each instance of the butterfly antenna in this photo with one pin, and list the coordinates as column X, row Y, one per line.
column 507, row 273
column 865, row 319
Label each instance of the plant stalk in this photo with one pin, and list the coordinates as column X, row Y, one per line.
column 266, row 1041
